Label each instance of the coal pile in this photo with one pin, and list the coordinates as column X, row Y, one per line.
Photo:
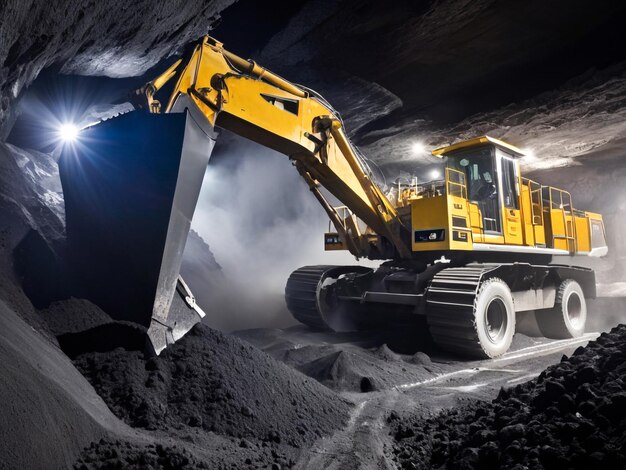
column 107, row 454
column 216, row 383
column 572, row 416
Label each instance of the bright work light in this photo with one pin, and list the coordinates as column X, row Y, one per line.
column 68, row 132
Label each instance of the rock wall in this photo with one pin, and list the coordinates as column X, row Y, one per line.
column 437, row 63
column 113, row 38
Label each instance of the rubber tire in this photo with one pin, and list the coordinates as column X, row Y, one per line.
column 489, row 290
column 555, row 323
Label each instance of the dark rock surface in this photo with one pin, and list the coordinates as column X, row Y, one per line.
column 430, row 54
column 582, row 118
column 439, row 63
column 30, row 196
column 572, row 416
column 215, row 383
column 31, row 229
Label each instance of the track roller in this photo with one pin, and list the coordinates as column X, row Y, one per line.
column 311, row 297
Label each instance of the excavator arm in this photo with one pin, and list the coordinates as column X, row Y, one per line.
column 242, row 97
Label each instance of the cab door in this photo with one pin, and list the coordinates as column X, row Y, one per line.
column 510, row 200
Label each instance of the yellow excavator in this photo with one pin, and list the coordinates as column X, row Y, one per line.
column 470, row 251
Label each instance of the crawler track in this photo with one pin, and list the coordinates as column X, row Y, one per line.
column 301, row 294
column 450, row 309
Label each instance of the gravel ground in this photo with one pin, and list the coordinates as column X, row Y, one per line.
column 572, row 416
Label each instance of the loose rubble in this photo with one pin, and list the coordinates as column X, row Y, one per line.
column 572, row 416
column 107, row 454
column 215, row 383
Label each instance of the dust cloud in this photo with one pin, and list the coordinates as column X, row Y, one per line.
column 261, row 222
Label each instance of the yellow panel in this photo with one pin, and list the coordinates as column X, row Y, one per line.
column 583, row 238
column 558, row 229
column 562, row 226
column 430, row 213
column 476, row 218
column 487, row 238
column 460, row 231
column 512, row 226
column 527, row 217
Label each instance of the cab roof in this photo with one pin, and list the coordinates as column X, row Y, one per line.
column 477, row 142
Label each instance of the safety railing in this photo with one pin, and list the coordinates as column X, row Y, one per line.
column 536, row 203
column 558, row 199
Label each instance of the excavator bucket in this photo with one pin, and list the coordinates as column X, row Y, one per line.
column 131, row 185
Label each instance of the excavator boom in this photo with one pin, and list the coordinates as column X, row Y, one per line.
column 239, row 95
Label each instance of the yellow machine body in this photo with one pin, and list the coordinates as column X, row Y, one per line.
column 515, row 214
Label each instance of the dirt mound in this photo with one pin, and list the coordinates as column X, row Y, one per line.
column 299, row 356
column 49, row 411
column 217, row 383
column 108, row 454
column 421, row 358
column 344, row 366
column 340, row 371
column 572, row 416
column 521, row 341
column 386, row 354
column 73, row 315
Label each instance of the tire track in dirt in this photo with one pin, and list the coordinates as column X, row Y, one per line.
column 362, row 444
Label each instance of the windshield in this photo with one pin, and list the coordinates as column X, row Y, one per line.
column 477, row 165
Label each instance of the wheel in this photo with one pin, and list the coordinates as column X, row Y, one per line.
column 473, row 323
column 568, row 316
column 494, row 316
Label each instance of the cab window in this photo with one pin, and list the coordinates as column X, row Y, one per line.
column 509, row 188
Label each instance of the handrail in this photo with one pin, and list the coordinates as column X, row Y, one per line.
column 568, row 229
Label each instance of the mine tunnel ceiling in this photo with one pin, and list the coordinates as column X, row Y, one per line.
column 438, row 64
column 444, row 60
column 435, row 71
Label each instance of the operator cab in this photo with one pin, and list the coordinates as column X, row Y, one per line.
column 491, row 173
